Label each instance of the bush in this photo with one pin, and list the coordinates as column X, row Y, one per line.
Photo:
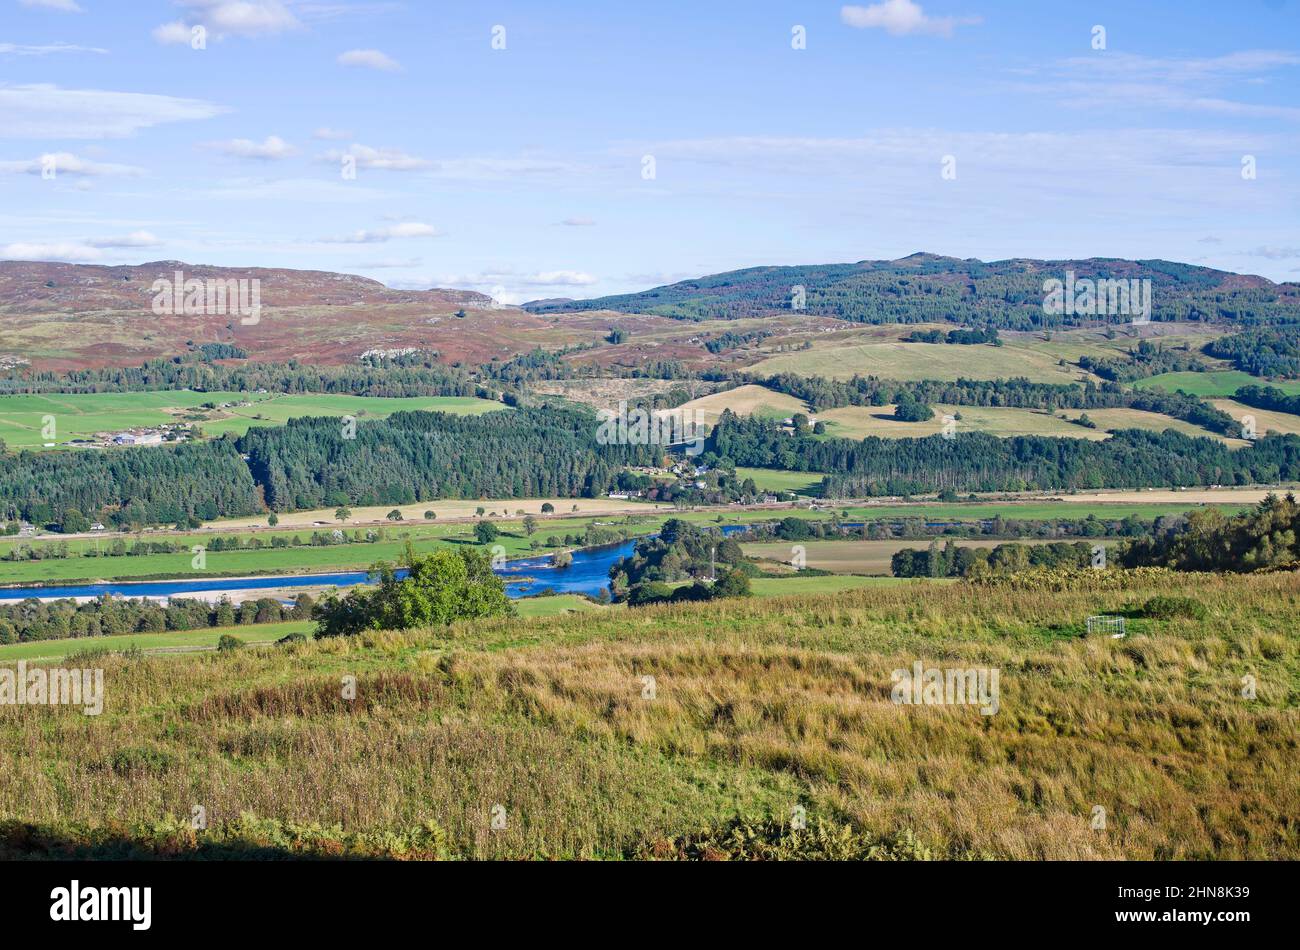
column 1171, row 608
column 228, row 643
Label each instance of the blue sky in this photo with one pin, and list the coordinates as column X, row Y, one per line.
column 522, row 171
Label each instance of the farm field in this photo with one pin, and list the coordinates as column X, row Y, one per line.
column 858, row 422
column 251, row 634
column 444, row 509
column 1266, row 420
column 281, row 408
column 80, row 416
column 749, row 400
column 778, row 480
column 761, row 704
column 890, row 358
column 880, row 351
column 1216, row 384
column 870, row 557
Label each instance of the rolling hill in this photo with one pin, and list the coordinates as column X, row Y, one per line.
column 929, row 287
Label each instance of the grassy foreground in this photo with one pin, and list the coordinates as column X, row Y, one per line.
column 758, row 707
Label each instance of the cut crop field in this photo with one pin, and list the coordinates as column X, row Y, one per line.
column 743, row 401
column 1265, row 420
column 880, row 351
column 858, row 422
column 760, row 705
column 867, row 557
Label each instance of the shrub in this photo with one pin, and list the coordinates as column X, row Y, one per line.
column 1170, row 608
column 228, row 643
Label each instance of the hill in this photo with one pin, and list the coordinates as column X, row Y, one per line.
column 928, row 287
column 754, row 707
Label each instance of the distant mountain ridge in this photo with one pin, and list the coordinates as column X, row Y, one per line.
column 42, row 286
column 927, row 287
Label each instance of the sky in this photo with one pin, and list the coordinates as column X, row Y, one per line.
column 574, row 148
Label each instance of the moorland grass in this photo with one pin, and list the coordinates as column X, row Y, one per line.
column 758, row 705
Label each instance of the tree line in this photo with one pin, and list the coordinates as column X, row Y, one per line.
column 971, row 462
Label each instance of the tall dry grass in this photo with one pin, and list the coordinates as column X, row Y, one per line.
column 758, row 706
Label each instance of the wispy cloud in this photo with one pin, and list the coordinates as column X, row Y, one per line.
column 62, row 6
column 405, row 230
column 134, row 239
column 51, row 112
column 65, row 163
column 389, row 159
column 17, row 49
column 1146, row 83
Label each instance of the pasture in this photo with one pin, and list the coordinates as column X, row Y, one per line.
column 24, row 419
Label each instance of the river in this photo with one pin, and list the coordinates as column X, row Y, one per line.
column 588, row 574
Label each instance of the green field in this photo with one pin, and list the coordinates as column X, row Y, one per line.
column 207, row 637
column 23, row 418
column 826, row 584
column 777, row 480
column 1223, row 383
column 279, row 409
column 80, row 416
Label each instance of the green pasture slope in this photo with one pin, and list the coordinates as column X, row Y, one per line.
column 22, row 418
column 1214, row 385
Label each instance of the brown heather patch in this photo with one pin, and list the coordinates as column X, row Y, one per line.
column 760, row 705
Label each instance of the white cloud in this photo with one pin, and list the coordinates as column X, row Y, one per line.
column 579, row 222
column 224, row 18
column 901, row 18
column 134, row 239
column 273, row 148
column 17, row 49
column 390, row 159
column 325, row 133
column 65, row 163
column 50, row 112
column 69, row 251
column 370, row 59
column 63, row 6
column 408, row 229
